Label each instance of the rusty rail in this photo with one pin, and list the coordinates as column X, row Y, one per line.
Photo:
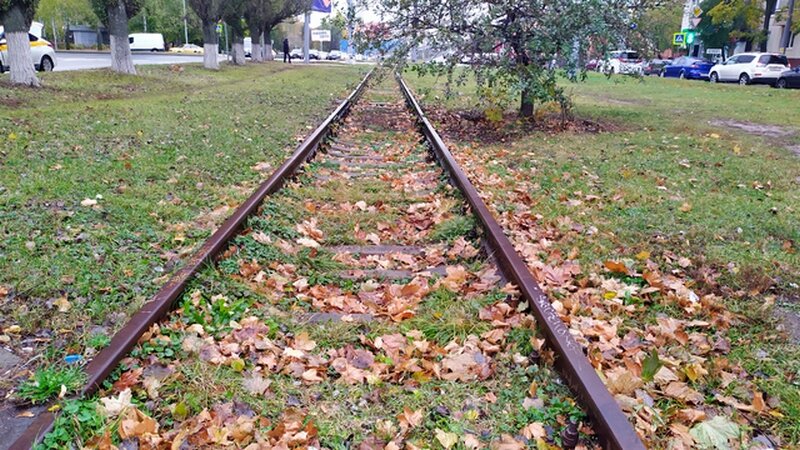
column 614, row 430
column 162, row 302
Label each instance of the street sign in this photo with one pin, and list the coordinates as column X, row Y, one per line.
column 678, row 39
column 697, row 10
column 714, row 51
column 696, row 21
column 321, row 35
column 323, row 6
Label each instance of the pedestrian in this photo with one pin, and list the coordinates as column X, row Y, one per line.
column 286, row 56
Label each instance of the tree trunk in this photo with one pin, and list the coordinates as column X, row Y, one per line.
column 769, row 7
column 268, row 52
column 238, row 53
column 526, row 104
column 19, row 48
column 210, row 45
column 121, row 58
column 256, row 53
column 268, row 45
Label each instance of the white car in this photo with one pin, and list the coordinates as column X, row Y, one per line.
column 626, row 62
column 146, row 42
column 42, row 54
column 750, row 68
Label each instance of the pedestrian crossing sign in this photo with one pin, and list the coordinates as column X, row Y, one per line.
column 679, row 39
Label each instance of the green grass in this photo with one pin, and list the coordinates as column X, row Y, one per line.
column 668, row 177
column 167, row 155
column 47, row 383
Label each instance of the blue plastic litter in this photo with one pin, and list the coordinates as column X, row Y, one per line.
column 72, row 359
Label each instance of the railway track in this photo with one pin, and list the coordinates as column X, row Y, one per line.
column 366, row 299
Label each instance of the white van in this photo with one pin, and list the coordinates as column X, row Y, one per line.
column 146, row 42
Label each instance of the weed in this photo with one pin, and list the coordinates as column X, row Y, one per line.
column 453, row 228
column 78, row 422
column 47, row 383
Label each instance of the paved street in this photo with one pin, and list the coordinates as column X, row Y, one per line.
column 95, row 60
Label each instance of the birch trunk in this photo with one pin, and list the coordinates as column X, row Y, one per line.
column 210, row 45
column 121, row 58
column 19, row 49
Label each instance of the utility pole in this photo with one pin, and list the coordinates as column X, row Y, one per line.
column 144, row 18
column 185, row 25
column 351, row 18
column 306, row 36
column 786, row 39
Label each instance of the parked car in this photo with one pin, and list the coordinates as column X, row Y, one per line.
column 43, row 56
column 335, row 55
column 625, row 62
column 750, row 68
column 592, row 64
column 187, row 49
column 789, row 79
column 296, row 53
column 655, row 66
column 688, row 67
column 147, row 42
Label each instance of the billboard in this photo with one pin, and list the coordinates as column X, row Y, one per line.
column 321, row 6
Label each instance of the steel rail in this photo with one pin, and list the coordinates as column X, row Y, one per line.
column 162, row 302
column 614, row 430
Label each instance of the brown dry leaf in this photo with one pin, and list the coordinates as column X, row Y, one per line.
column 681, row 391
column 128, row 379
column 471, row 442
column 534, row 431
column 617, row 267
column 507, row 442
column 622, row 381
column 311, row 375
column 308, row 242
column 410, row 419
column 136, row 424
column 691, row 415
column 303, row 342
column 63, row 304
column 758, row 402
column 256, row 384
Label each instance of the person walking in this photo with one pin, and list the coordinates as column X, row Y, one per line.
column 286, row 56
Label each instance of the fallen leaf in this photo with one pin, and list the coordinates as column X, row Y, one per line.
column 446, row 439
column 256, row 384
column 410, row 419
column 136, row 424
column 715, row 433
column 63, row 304
column 113, row 406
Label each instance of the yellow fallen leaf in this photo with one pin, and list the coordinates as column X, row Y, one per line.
column 446, row 439
column 63, row 304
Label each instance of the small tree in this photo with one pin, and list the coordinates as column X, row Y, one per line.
column 16, row 16
column 209, row 12
column 115, row 14
column 277, row 12
column 232, row 11
column 514, row 46
column 255, row 15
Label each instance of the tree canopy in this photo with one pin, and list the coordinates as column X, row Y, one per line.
column 514, row 46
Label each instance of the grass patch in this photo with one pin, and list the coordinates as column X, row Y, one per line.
column 165, row 156
column 47, row 383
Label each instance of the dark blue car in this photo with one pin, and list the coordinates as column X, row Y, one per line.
column 689, row 68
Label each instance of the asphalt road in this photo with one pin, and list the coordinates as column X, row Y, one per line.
column 96, row 60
